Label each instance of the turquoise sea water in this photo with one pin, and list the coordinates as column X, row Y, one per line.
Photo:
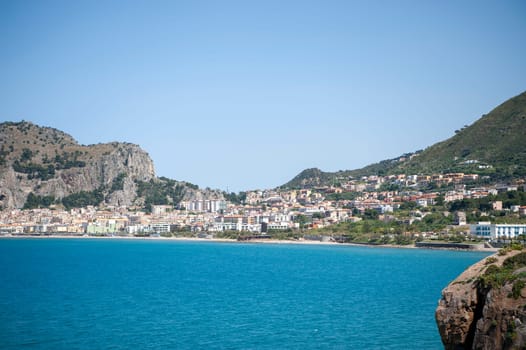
column 122, row 294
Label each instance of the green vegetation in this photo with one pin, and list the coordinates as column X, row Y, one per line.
column 27, row 155
column 186, row 183
column 3, row 154
column 516, row 289
column 9, row 124
column 41, row 153
column 484, row 204
column 495, row 139
column 349, row 196
column 83, row 199
column 491, row 260
column 76, row 200
column 493, row 146
column 495, row 277
column 273, row 234
column 34, row 171
column 160, row 192
column 33, row 201
column 118, row 183
column 46, row 170
column 235, row 198
column 311, row 177
column 432, row 222
column 232, row 234
column 68, row 160
column 302, row 220
column 405, row 224
column 399, row 231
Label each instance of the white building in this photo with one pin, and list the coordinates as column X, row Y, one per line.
column 490, row 231
column 160, row 227
column 159, row 210
column 235, row 226
column 210, row 206
column 278, row 226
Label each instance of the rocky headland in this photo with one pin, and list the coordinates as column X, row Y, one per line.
column 485, row 307
column 40, row 165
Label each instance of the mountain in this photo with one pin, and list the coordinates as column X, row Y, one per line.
column 493, row 146
column 310, row 178
column 41, row 166
column 497, row 139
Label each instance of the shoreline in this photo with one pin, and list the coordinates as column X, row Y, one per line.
column 254, row 241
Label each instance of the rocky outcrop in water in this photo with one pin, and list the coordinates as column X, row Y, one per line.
column 484, row 308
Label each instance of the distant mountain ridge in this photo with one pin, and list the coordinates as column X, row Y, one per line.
column 41, row 166
column 493, row 146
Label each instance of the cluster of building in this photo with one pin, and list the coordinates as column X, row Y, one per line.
column 262, row 210
column 163, row 219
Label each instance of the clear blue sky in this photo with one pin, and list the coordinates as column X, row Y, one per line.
column 246, row 94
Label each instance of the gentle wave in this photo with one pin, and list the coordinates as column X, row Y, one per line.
column 69, row 294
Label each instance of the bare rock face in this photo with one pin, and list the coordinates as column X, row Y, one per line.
column 126, row 196
column 48, row 162
column 455, row 314
column 484, row 308
column 192, row 194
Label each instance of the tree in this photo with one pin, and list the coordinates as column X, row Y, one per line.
column 34, row 201
column 370, row 214
column 27, row 154
column 235, row 198
column 366, row 227
column 83, row 199
column 318, row 215
column 408, row 205
column 301, row 220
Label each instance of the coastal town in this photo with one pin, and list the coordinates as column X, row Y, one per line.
column 261, row 212
column 262, row 175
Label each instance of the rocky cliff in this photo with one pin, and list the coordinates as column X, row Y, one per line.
column 48, row 162
column 485, row 307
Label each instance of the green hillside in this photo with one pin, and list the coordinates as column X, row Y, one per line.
column 494, row 146
column 310, row 178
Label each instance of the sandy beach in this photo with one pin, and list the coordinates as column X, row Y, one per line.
column 226, row 240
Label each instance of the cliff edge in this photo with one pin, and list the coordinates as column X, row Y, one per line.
column 43, row 161
column 485, row 307
column 42, row 166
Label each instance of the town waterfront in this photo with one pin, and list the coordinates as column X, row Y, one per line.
column 84, row 294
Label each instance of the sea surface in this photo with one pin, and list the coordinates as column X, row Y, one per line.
column 146, row 294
